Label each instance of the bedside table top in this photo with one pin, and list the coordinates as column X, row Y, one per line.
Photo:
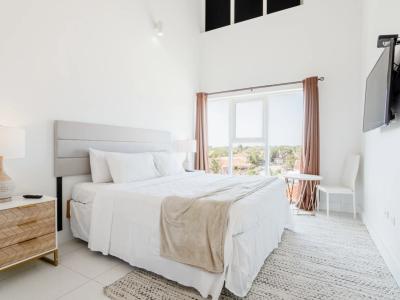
column 19, row 201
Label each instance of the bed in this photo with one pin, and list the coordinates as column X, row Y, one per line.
column 123, row 220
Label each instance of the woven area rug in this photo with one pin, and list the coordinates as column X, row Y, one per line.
column 325, row 258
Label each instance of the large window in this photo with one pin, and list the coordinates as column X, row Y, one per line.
column 257, row 134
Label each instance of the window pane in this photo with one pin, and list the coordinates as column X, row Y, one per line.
column 218, row 123
column 277, row 5
column 248, row 9
column 285, row 132
column 249, row 119
column 248, row 159
column 284, row 159
column 218, row 14
column 285, row 119
column 219, row 160
column 218, row 136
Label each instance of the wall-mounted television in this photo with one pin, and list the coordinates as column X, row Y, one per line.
column 380, row 91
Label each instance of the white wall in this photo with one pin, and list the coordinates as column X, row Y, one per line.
column 93, row 61
column 318, row 38
column 381, row 147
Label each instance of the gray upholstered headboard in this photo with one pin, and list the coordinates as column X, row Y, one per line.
column 72, row 141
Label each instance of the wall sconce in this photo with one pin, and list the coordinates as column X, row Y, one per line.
column 158, row 28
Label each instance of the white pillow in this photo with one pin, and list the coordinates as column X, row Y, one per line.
column 167, row 164
column 99, row 167
column 131, row 167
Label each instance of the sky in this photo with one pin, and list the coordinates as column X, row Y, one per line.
column 285, row 119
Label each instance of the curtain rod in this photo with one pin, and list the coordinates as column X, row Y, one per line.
column 260, row 87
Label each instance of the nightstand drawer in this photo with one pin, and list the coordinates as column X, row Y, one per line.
column 26, row 231
column 25, row 250
column 25, row 214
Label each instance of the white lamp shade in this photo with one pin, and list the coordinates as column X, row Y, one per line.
column 12, row 142
column 186, row 146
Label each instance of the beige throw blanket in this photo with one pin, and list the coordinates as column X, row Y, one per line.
column 193, row 229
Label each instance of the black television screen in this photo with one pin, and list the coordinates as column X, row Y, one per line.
column 378, row 93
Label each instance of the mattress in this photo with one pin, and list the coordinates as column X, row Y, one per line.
column 83, row 195
column 257, row 223
column 81, row 216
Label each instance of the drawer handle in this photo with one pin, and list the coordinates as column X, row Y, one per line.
column 30, row 240
column 27, row 223
column 28, row 206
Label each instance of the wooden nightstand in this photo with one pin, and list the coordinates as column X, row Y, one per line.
column 27, row 231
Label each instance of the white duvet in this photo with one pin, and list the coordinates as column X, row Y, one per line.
column 125, row 223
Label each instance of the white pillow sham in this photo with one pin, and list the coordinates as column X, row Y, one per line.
column 125, row 168
column 99, row 167
column 167, row 164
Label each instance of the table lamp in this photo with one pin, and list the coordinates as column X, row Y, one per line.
column 186, row 146
column 12, row 145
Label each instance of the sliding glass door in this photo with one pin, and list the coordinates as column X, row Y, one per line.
column 256, row 134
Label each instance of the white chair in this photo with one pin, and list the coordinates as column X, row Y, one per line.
column 348, row 183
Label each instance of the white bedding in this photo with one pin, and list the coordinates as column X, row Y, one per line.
column 123, row 220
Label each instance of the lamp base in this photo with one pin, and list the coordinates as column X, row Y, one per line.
column 6, row 190
column 7, row 185
column 187, row 164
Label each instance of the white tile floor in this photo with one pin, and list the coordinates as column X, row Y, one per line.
column 81, row 274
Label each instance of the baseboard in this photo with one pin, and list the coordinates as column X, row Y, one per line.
column 65, row 235
column 389, row 257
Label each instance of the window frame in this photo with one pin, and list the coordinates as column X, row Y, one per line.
column 234, row 121
column 233, row 139
column 260, row 97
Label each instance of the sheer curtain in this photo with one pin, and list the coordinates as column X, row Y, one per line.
column 310, row 157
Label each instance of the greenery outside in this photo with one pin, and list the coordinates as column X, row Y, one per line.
column 249, row 159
